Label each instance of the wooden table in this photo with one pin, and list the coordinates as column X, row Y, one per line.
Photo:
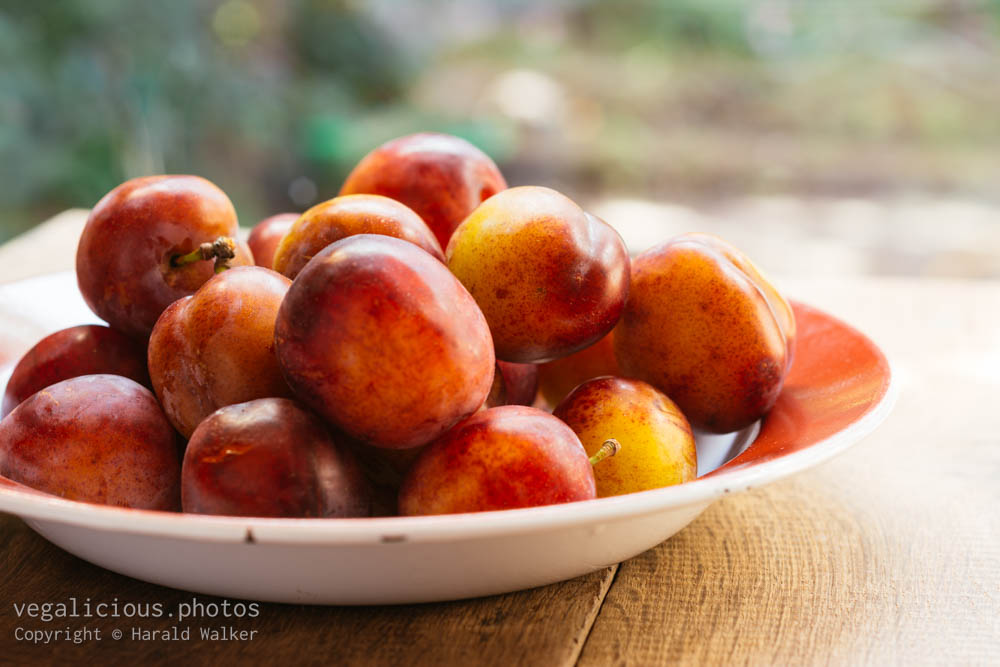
column 889, row 554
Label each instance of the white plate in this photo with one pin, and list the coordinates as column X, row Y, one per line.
column 422, row 559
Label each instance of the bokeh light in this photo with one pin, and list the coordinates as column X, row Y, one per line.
column 890, row 104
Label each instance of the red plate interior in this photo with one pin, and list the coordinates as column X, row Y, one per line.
column 838, row 375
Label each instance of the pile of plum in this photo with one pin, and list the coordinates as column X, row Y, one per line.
column 388, row 351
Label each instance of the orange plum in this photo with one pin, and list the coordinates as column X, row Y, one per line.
column 383, row 341
column 657, row 447
column 502, row 458
column 345, row 216
column 706, row 328
column 441, row 177
column 550, row 278
column 142, row 248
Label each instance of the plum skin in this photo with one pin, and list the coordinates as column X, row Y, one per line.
column 706, row 328
column 556, row 379
column 440, row 176
column 550, row 278
column 385, row 469
column 657, row 445
column 270, row 458
column 345, row 216
column 266, row 235
column 96, row 438
column 513, row 384
column 503, row 458
column 88, row 349
column 123, row 260
column 380, row 339
column 216, row 347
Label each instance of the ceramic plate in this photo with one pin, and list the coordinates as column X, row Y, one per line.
column 839, row 389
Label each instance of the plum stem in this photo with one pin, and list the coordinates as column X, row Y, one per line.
column 221, row 250
column 609, row 448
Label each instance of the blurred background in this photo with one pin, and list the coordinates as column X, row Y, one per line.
column 822, row 137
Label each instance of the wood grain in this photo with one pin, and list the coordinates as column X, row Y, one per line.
column 889, row 554
column 47, row 248
column 544, row 626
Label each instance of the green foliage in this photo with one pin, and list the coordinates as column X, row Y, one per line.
column 256, row 95
column 252, row 96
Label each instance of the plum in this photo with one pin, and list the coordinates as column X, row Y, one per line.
column 267, row 234
column 385, row 469
column 89, row 349
column 382, row 340
column 513, row 384
column 140, row 248
column 557, row 378
column 345, row 216
column 216, row 347
column 706, row 328
column 550, row 278
column 657, row 446
column 441, row 177
column 502, row 458
column 95, row 438
column 270, row 458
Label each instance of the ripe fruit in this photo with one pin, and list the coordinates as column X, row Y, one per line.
column 129, row 261
column 267, row 234
column 557, row 378
column 513, row 384
column 88, row 349
column 345, row 216
column 270, row 458
column 95, row 438
column 385, row 469
column 703, row 326
column 550, row 278
column 501, row 458
column 216, row 347
column 439, row 176
column 378, row 337
column 657, row 447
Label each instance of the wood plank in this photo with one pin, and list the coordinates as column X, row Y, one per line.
column 543, row 626
column 889, row 554
column 46, row 248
